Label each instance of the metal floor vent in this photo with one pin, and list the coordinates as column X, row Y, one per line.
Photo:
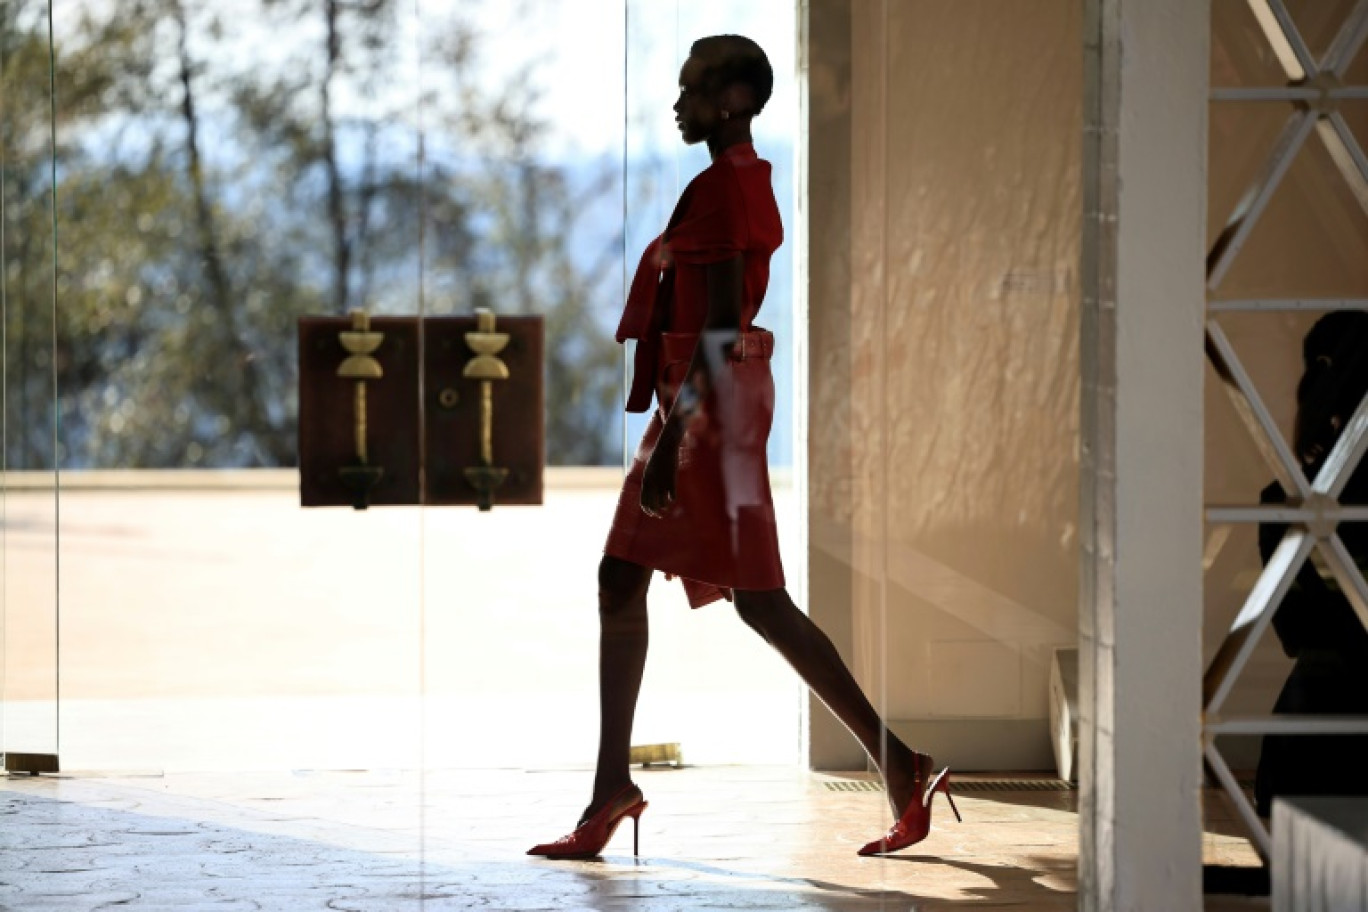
column 965, row 785
column 1013, row 785
column 854, row 785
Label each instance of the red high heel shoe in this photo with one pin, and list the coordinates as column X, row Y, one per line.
column 915, row 822
column 591, row 836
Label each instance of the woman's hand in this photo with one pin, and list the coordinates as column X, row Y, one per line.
column 658, row 481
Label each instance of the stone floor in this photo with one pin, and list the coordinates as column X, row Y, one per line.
column 259, row 636
column 713, row 838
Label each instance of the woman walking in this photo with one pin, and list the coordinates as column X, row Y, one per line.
column 696, row 503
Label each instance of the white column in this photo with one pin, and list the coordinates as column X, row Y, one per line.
column 1140, row 618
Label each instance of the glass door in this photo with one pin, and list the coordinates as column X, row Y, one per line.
column 30, row 723
column 182, row 184
column 748, row 706
column 217, row 177
column 523, row 140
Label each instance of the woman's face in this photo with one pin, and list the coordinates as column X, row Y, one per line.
column 697, row 112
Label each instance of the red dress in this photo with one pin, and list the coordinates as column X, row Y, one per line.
column 720, row 534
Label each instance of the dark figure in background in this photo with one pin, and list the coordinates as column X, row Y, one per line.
column 696, row 503
column 1316, row 624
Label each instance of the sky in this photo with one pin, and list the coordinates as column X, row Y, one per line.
column 582, row 43
column 579, row 44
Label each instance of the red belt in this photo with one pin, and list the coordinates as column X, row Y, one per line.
column 757, row 344
column 753, row 345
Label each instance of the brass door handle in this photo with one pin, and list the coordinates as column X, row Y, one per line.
column 360, row 344
column 486, row 367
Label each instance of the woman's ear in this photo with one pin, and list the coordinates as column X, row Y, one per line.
column 737, row 99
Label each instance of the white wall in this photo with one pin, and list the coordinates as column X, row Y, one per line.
column 944, row 360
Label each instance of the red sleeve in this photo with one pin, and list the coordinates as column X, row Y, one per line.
column 714, row 227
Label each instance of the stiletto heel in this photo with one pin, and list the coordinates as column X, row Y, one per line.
column 915, row 823
column 941, row 784
column 590, row 837
column 945, row 788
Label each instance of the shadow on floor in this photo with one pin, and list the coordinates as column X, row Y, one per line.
column 74, row 856
column 1022, row 883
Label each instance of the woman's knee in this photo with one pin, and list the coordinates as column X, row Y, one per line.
column 757, row 609
column 622, row 584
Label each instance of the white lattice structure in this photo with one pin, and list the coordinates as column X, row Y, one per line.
column 1314, row 90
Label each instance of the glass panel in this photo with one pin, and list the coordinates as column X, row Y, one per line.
column 222, row 175
column 523, row 128
column 757, row 694
column 949, row 468
column 29, row 640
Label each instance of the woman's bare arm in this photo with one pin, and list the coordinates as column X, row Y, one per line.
column 720, row 327
column 725, row 285
column 726, row 282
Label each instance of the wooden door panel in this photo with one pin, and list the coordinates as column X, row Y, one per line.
column 452, row 411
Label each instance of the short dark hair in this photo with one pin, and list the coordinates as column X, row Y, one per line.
column 1335, row 357
column 732, row 59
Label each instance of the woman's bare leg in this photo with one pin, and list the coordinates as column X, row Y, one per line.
column 623, row 639
column 803, row 645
